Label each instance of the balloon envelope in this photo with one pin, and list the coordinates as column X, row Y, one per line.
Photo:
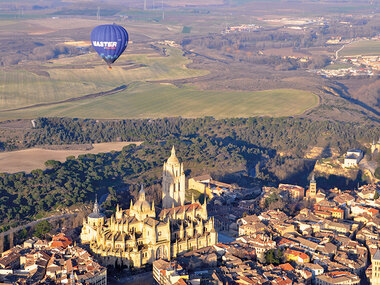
column 109, row 41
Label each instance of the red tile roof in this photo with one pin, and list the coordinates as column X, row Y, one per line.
column 286, row 267
column 60, row 240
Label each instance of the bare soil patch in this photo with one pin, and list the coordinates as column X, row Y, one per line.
column 34, row 158
column 317, row 152
column 68, row 147
column 16, row 124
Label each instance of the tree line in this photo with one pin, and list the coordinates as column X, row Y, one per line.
column 280, row 134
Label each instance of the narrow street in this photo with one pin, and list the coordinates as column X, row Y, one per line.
column 139, row 279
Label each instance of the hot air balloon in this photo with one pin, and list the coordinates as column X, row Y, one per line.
column 109, row 41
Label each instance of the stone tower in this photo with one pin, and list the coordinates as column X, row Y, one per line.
column 173, row 182
column 313, row 187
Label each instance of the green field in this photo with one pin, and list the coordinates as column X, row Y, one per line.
column 369, row 47
column 74, row 77
column 337, row 66
column 153, row 100
column 145, row 97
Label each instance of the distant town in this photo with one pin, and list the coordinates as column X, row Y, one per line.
column 340, row 66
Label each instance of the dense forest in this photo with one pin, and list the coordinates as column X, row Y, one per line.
column 293, row 135
column 229, row 149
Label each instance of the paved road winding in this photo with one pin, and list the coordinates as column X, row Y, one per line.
column 31, row 224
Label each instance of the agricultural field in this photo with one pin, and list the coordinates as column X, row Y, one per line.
column 361, row 48
column 34, row 158
column 156, row 100
column 337, row 66
column 74, row 77
column 47, row 67
column 70, row 86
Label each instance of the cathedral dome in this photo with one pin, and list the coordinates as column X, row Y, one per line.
column 96, row 214
column 142, row 205
column 173, row 158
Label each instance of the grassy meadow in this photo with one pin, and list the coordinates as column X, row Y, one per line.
column 147, row 96
column 154, row 100
column 74, row 77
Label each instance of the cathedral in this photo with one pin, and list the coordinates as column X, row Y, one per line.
column 144, row 233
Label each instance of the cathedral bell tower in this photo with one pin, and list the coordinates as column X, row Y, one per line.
column 313, row 188
column 173, row 182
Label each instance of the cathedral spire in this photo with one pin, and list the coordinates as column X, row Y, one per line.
column 205, row 200
column 204, row 208
column 142, row 193
column 173, row 160
column 96, row 205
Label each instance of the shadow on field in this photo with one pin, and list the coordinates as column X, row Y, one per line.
column 88, row 96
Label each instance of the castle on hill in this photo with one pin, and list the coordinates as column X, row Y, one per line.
column 143, row 233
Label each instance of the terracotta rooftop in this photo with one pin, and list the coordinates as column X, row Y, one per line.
column 286, row 267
